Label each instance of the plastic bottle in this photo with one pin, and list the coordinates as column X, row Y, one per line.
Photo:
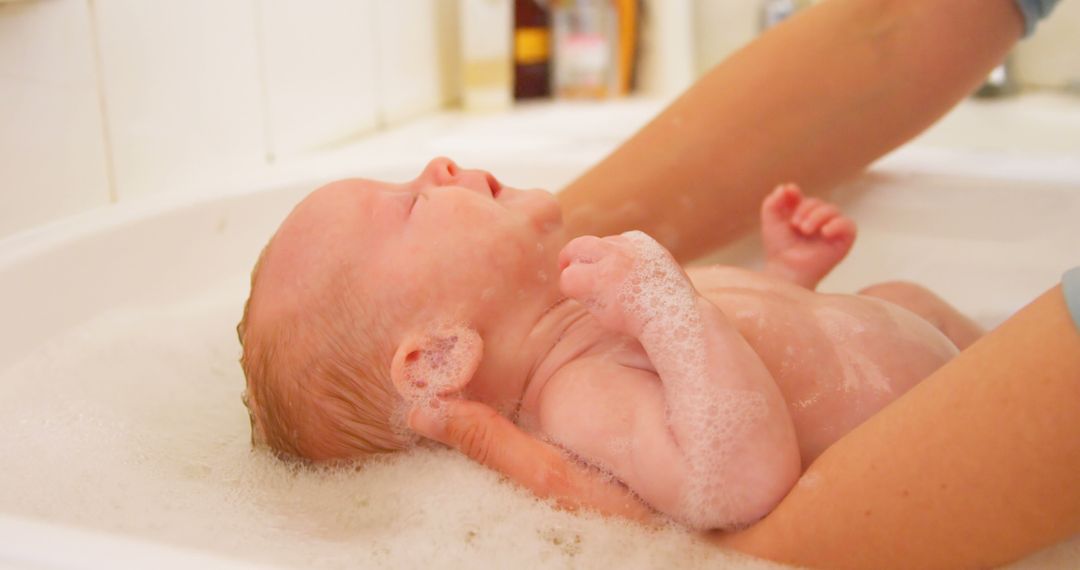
column 532, row 49
column 486, row 54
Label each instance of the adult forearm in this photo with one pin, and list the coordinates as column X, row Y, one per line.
column 974, row 467
column 814, row 100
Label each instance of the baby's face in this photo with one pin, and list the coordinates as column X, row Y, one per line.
column 451, row 245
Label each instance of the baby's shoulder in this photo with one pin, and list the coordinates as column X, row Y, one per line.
column 600, row 386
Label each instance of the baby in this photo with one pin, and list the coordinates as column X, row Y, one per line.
column 704, row 391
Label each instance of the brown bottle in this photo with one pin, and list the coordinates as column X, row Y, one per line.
column 532, row 49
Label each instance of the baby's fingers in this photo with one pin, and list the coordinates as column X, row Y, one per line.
column 579, row 281
column 584, row 250
column 839, row 228
column 780, row 204
column 493, row 441
column 817, row 217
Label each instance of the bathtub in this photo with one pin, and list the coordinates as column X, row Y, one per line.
column 125, row 444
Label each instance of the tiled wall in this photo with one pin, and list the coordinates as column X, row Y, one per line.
column 103, row 100
column 1051, row 57
column 52, row 152
column 1048, row 59
column 181, row 85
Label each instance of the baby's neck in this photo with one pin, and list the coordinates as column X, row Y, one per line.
column 522, row 357
column 562, row 334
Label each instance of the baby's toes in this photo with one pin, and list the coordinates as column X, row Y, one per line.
column 815, row 218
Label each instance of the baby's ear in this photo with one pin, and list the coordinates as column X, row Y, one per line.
column 437, row 361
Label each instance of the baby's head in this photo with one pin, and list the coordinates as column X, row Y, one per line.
column 372, row 296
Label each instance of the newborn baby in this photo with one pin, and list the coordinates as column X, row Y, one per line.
column 704, row 391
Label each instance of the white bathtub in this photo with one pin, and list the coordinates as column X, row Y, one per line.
column 124, row 443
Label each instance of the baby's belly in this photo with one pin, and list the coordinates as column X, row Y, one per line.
column 837, row 359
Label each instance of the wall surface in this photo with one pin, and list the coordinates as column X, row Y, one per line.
column 106, row 100
column 1049, row 58
column 52, row 146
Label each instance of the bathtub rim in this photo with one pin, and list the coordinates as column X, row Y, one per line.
column 32, row 544
column 973, row 163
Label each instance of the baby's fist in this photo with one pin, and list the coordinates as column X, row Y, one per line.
column 625, row 281
column 593, row 273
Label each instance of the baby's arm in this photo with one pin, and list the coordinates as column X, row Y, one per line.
column 711, row 444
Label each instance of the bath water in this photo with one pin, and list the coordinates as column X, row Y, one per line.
column 132, row 423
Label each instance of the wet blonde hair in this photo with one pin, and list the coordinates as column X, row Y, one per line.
column 318, row 380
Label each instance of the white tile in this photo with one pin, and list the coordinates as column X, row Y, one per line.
column 449, row 47
column 51, row 146
column 409, row 53
column 319, row 71
column 183, row 99
column 667, row 66
column 1051, row 56
column 721, row 27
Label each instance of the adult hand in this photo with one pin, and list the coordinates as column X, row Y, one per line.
column 495, row 442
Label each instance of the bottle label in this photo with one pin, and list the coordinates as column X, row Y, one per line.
column 531, row 45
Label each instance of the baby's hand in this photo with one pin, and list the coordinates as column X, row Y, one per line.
column 593, row 273
column 804, row 237
column 624, row 280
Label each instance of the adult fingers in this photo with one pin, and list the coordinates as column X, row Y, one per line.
column 495, row 442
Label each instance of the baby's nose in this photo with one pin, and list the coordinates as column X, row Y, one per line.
column 440, row 171
column 444, row 172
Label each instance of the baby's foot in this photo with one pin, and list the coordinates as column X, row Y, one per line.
column 804, row 237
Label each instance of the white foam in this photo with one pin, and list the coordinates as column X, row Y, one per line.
column 133, row 423
column 660, row 295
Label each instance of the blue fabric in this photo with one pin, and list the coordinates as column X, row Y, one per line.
column 1070, row 287
column 1034, row 10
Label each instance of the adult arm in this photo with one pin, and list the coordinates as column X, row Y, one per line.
column 815, row 99
column 974, row 467
column 486, row 437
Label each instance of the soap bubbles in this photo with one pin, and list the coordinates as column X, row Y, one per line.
column 131, row 424
column 659, row 295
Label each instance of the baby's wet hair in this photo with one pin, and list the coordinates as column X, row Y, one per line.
column 318, row 378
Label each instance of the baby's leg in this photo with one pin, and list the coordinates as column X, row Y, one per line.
column 961, row 330
column 804, row 237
